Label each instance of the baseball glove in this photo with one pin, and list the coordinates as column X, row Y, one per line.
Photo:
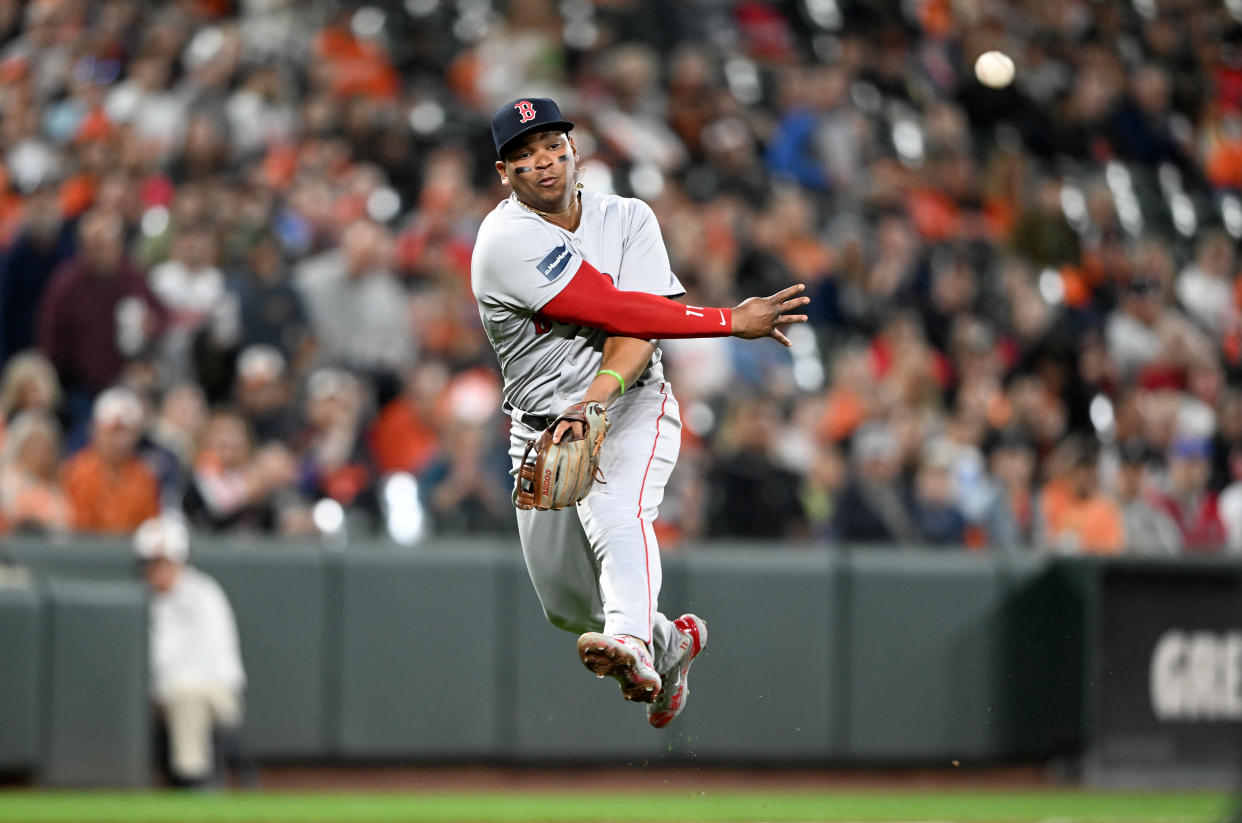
column 558, row 475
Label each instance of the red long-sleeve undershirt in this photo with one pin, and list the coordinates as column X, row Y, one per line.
column 590, row 299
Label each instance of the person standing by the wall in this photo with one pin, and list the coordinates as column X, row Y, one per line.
column 197, row 678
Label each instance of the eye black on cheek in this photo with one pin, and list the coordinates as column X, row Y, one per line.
column 521, row 169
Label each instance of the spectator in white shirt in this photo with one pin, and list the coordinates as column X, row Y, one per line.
column 1149, row 334
column 359, row 310
column 1205, row 285
column 197, row 677
column 191, row 288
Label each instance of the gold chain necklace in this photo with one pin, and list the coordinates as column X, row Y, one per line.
column 533, row 210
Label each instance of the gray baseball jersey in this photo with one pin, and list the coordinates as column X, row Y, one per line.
column 595, row 566
column 521, row 262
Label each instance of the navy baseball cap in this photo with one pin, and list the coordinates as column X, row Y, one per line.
column 523, row 115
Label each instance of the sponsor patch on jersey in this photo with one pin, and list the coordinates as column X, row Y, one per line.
column 553, row 266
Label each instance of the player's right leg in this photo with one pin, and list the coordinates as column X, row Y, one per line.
column 561, row 566
column 558, row 558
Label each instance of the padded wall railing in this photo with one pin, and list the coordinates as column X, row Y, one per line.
column 378, row 653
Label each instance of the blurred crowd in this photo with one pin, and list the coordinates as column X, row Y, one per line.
column 236, row 246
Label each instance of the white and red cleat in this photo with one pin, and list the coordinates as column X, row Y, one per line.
column 692, row 637
column 624, row 659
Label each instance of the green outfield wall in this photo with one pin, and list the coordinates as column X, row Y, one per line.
column 441, row 653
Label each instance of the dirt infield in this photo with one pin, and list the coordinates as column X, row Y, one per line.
column 638, row 777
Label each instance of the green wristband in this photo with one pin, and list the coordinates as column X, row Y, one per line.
column 620, row 379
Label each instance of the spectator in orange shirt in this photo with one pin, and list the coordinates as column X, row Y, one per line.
column 1079, row 518
column 110, row 489
column 403, row 436
column 351, row 65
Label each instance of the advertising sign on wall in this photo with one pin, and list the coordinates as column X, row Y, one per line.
column 1167, row 690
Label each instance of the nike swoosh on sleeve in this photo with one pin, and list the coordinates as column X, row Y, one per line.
column 721, row 317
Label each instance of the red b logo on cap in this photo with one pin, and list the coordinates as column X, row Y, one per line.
column 526, row 110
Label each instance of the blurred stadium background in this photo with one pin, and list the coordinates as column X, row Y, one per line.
column 981, row 520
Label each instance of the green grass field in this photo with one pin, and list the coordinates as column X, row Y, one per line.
column 582, row 807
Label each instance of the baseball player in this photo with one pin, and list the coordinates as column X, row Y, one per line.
column 574, row 291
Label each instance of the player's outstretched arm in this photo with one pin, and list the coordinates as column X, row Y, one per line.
column 591, row 299
column 763, row 316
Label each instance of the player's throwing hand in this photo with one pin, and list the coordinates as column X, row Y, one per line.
column 758, row 317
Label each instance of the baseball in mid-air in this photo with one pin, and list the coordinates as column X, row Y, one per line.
column 994, row 69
